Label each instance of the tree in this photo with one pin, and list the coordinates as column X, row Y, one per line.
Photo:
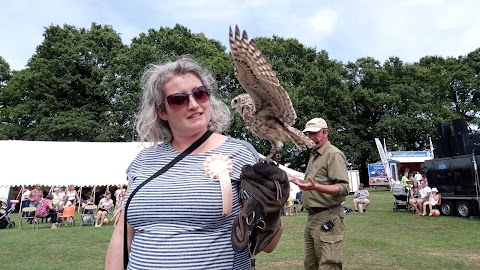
column 62, row 94
column 5, row 73
column 158, row 46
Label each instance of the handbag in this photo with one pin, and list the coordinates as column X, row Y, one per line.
column 189, row 150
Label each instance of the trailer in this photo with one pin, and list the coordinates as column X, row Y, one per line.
column 457, row 180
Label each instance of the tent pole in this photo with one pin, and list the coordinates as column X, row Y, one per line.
column 93, row 194
column 79, row 198
column 21, row 200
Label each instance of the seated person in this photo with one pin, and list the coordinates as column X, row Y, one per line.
column 55, row 199
column 361, row 197
column 88, row 201
column 118, row 208
column 414, row 196
column 51, row 211
column 432, row 201
column 425, row 192
column 62, row 204
column 289, row 206
column 104, row 206
column 298, row 199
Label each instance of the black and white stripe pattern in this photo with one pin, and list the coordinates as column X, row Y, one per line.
column 177, row 217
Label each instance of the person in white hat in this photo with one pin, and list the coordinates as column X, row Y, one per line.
column 324, row 188
column 434, row 199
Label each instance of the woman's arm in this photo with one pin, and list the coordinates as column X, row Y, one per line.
column 114, row 257
column 275, row 240
column 50, row 205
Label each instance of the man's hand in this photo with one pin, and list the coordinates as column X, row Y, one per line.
column 310, row 185
column 293, row 179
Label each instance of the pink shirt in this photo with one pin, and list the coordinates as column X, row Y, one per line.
column 35, row 196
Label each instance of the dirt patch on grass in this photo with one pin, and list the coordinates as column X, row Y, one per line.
column 472, row 257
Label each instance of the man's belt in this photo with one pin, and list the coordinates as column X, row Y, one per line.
column 316, row 210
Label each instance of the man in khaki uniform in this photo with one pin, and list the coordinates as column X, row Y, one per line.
column 325, row 187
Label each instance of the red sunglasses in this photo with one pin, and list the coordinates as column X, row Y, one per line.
column 179, row 100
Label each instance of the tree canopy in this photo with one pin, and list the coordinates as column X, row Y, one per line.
column 82, row 85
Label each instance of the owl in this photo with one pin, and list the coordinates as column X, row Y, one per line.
column 266, row 108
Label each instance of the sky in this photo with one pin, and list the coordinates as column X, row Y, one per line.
column 346, row 29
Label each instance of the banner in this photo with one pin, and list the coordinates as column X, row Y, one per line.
column 377, row 175
column 383, row 157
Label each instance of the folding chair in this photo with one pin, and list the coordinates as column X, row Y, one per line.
column 69, row 213
column 30, row 215
column 92, row 216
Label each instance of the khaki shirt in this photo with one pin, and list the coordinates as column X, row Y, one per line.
column 327, row 166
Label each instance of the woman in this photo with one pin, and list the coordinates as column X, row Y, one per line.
column 72, row 195
column 176, row 219
column 414, row 196
column 51, row 211
column 104, row 206
column 118, row 208
column 56, row 198
column 85, row 203
column 117, row 193
column 25, row 200
column 62, row 204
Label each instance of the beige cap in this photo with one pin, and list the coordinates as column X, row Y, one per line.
column 315, row 125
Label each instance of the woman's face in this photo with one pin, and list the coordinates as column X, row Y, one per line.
column 195, row 116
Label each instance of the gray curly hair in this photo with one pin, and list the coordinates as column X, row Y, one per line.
column 149, row 127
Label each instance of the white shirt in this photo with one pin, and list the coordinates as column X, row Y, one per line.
column 104, row 202
column 26, row 194
column 418, row 177
column 424, row 191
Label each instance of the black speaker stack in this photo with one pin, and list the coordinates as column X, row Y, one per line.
column 455, row 140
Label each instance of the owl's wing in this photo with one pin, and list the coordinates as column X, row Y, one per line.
column 256, row 76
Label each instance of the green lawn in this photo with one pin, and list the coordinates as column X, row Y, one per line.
column 378, row 239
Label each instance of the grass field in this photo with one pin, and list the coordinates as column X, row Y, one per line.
column 377, row 239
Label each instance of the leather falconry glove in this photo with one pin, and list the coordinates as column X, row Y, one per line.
column 258, row 223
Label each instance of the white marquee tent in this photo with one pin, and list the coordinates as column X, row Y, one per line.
column 83, row 164
column 65, row 163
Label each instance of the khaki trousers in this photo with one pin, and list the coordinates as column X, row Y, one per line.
column 323, row 249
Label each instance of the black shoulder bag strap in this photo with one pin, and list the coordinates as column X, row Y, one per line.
column 189, row 150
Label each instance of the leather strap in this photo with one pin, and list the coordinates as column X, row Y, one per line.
column 189, row 150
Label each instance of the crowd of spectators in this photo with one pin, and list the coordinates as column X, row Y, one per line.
column 51, row 206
